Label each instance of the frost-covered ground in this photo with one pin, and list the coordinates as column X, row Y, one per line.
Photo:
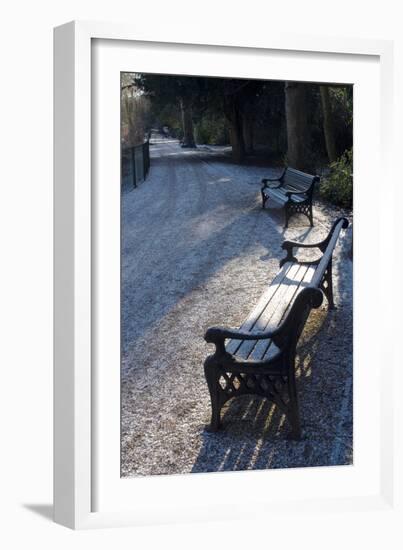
column 198, row 250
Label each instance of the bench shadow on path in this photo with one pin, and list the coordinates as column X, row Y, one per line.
column 255, row 434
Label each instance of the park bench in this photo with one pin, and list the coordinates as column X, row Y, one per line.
column 259, row 357
column 293, row 190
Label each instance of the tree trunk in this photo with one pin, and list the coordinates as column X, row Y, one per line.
column 328, row 124
column 187, row 123
column 248, row 134
column 297, row 126
column 234, row 116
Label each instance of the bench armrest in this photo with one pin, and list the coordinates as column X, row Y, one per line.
column 287, row 245
column 266, row 181
column 290, row 245
column 279, row 335
column 217, row 334
column 321, row 244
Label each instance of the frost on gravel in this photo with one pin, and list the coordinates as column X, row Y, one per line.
column 198, row 250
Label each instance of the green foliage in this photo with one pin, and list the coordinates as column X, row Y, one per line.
column 254, row 110
column 135, row 112
column 176, row 132
column 167, row 115
column 337, row 187
column 211, row 130
column 342, row 103
column 342, row 107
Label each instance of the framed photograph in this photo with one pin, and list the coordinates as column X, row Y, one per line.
column 216, row 355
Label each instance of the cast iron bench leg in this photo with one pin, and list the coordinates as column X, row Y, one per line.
column 287, row 216
column 293, row 413
column 327, row 287
column 264, row 199
column 310, row 215
column 212, row 376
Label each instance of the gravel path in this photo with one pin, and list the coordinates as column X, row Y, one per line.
column 198, row 250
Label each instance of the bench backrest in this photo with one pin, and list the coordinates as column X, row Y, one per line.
column 300, row 182
column 312, row 295
column 327, row 253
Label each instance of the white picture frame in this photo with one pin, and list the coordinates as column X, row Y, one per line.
column 82, row 432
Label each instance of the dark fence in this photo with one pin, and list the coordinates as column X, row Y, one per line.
column 135, row 164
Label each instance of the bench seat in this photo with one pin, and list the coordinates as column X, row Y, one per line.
column 271, row 310
column 280, row 196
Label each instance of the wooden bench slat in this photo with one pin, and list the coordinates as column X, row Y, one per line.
column 294, row 186
column 307, row 178
column 275, row 311
column 271, row 348
column 280, row 196
column 300, row 176
column 305, row 277
column 298, row 182
column 297, row 188
column 246, row 347
column 265, row 298
column 296, row 173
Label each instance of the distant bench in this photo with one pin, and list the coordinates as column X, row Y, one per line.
column 294, row 190
column 259, row 357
